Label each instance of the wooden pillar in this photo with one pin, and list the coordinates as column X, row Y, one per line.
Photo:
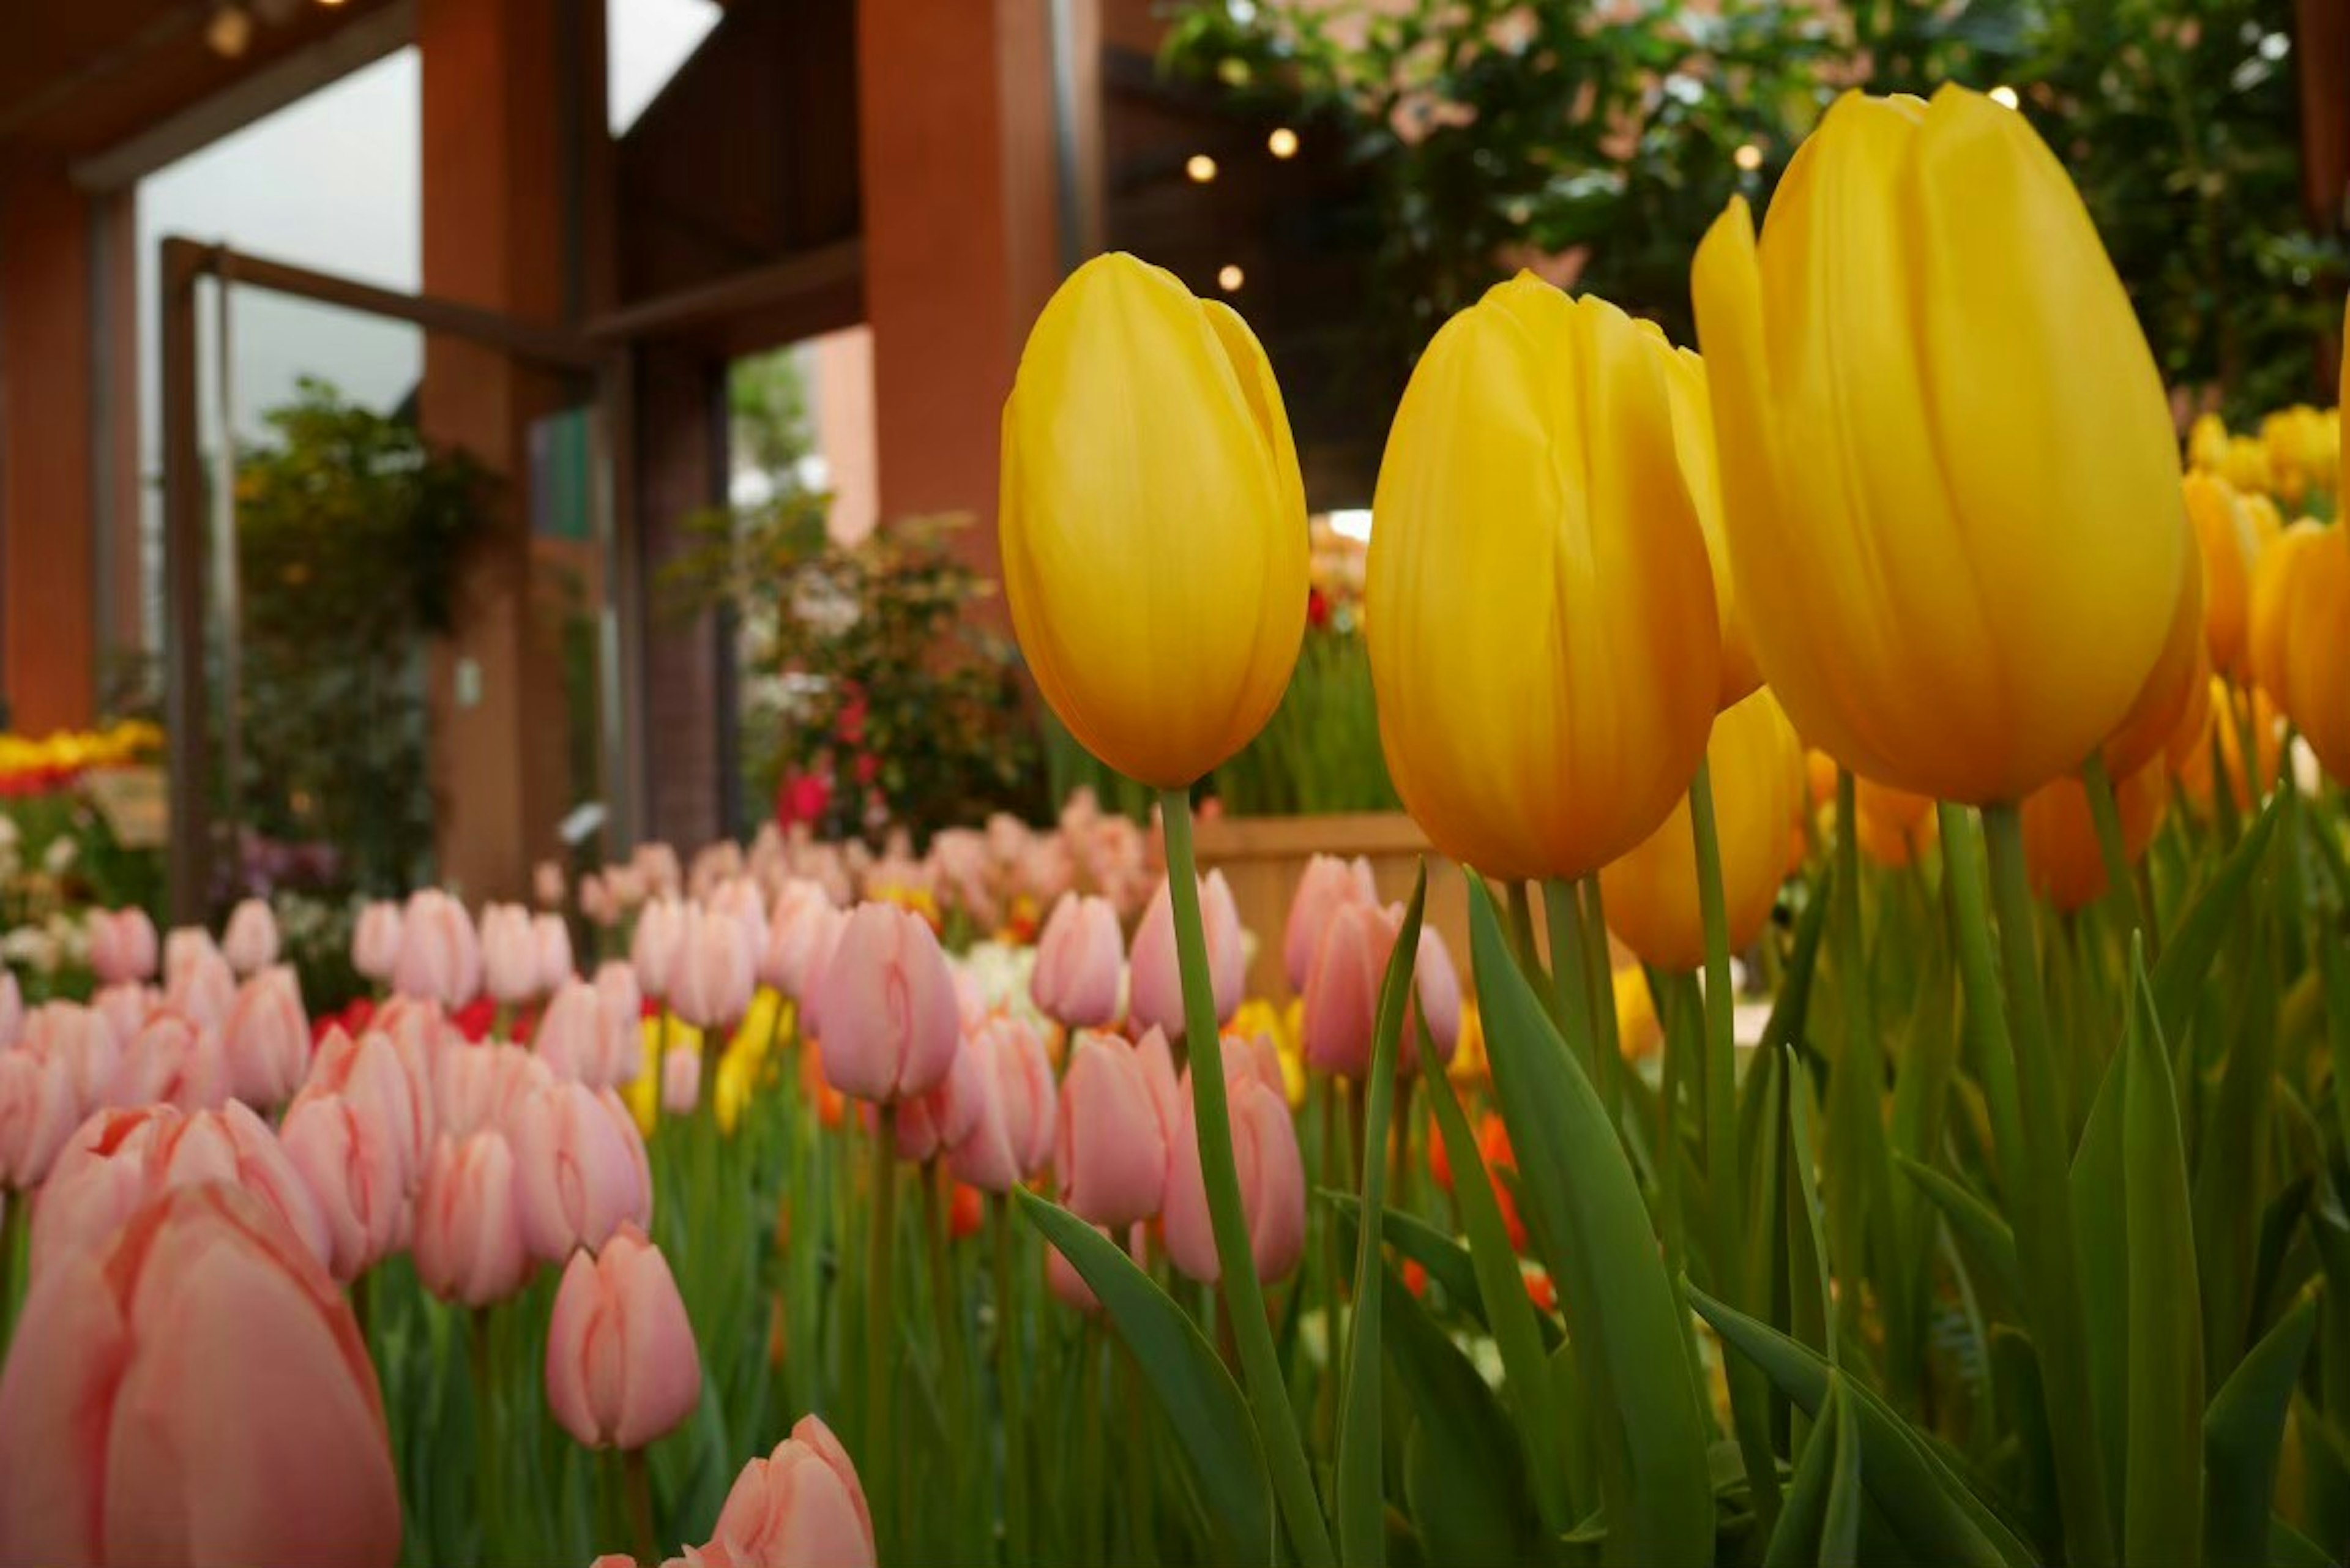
column 955, row 104
column 680, row 433
column 495, row 223
column 48, row 639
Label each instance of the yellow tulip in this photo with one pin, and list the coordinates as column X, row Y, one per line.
column 1639, row 1032
column 2177, row 675
column 1152, row 521
column 1539, row 607
column 2224, row 718
column 2207, row 443
column 2224, row 541
column 2060, row 853
column 2247, row 466
column 2277, row 577
column 1756, row 766
column 2303, row 450
column 1948, row 471
column 1693, row 440
column 2315, row 684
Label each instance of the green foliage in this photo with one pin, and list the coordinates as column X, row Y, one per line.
column 350, row 532
column 1595, row 142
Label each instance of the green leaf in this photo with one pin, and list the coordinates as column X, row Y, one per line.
column 1464, row 1473
column 2241, row 1433
column 1803, row 1521
column 1810, row 1237
column 2188, row 952
column 1840, row 1528
column 2289, row 1548
column 1927, row 1506
column 2098, row 1218
column 1362, row 1527
column 1973, row 1222
column 1627, row 1328
column 1202, row 1401
column 2162, row 1491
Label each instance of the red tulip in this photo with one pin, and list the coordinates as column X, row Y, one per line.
column 1154, row 981
column 621, row 1367
column 1081, row 958
column 892, row 1021
column 801, row 1506
column 194, row 1391
column 468, row 1244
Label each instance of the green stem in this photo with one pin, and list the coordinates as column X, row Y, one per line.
column 954, row 1374
column 1292, row 1481
column 1009, row 1391
column 12, row 1234
column 638, row 1482
column 1856, row 1090
column 1521, row 931
column 489, row 1450
column 1142, row 1542
column 2044, row 1213
column 1599, row 974
column 1563, row 917
column 878, row 1460
column 2104, row 811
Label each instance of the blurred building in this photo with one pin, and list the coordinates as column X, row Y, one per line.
column 902, row 181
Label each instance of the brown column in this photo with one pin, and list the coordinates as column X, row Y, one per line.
column 494, row 232
column 955, row 110
column 48, row 652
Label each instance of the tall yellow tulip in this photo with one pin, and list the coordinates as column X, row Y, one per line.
column 1948, row 471
column 2224, row 541
column 1538, row 605
column 1651, row 896
column 1693, row 440
column 2278, row 577
column 2315, row 688
column 1152, row 521
column 2178, row 676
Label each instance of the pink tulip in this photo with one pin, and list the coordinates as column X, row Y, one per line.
column 801, row 1506
column 1328, row 883
column 1435, row 1001
column 710, row 986
column 1011, row 1137
column 236, row 1146
column 580, row 1170
column 468, row 1244
column 621, row 1054
column 1342, row 989
column 479, row 1086
column 375, row 941
column 569, row 1038
column 809, row 945
column 681, row 1080
column 552, row 938
column 125, row 1006
column 546, row 884
column 1156, row 981
column 1079, row 958
column 375, row 1077
column 1115, row 1117
column 509, row 953
column 657, row 863
column 932, row 1122
column 356, row 1170
column 739, row 897
column 599, row 906
column 83, row 1041
column 181, row 946
column 204, row 989
column 174, row 1060
column 892, row 1020
column 250, row 942
column 122, row 945
column 782, row 954
column 1272, row 1180
column 195, row 1392
column 440, row 952
column 621, row 1367
column 39, row 1113
column 267, row 1038
column 659, row 942
column 12, row 1008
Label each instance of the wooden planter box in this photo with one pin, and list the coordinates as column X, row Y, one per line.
column 1263, row 856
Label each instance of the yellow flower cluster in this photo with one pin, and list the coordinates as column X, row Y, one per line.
column 745, row 1067
column 2297, row 452
column 66, row 753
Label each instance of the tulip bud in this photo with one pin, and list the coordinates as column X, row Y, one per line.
column 204, row 989
column 37, row 1114
column 509, row 953
column 657, row 945
column 681, row 1080
column 1155, row 980
column 125, row 1006
column 620, row 1055
column 710, row 986
column 393, row 1087
column 1079, row 959
column 552, row 938
column 468, row 1245
column 580, row 1170
column 621, row 1366
column 355, row 1168
column 440, row 953
column 1010, row 1136
column 1118, row 1112
column 375, row 941
column 889, row 1009
column 121, row 945
column 1342, row 989
column 267, row 1038
column 801, row 1505
column 570, row 1035
column 173, row 1060
column 1149, row 479
column 1328, row 883
column 2060, row 853
column 1272, row 1180
column 250, row 942
column 182, row 948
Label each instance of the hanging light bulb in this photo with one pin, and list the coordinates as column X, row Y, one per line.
column 229, row 33
column 1229, row 277
column 1200, row 168
column 1282, row 142
column 1748, row 156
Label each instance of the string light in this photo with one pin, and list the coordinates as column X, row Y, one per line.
column 2004, row 95
column 1229, row 277
column 1282, row 142
column 228, row 32
column 1748, row 156
column 1200, row 168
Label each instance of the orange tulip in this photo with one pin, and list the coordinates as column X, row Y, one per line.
column 2061, row 851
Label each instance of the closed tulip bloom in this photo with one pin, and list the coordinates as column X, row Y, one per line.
column 892, row 1023
column 1326, row 883
column 181, row 946
column 1155, row 979
column 440, row 951
column 710, row 985
column 205, row 989
column 100, row 1176
column 477, row 1086
column 2278, row 578
column 569, row 1036
column 218, row 1396
column 1272, row 1181
column 1949, row 469
column 1533, row 473
column 932, row 1122
column 173, row 1061
column 375, row 941
column 267, row 1038
column 509, row 953
column 125, row 1006
column 800, row 1507
column 1114, row 1131
column 621, row 1056
column 2226, row 549
column 2317, row 669
column 1148, row 481
column 681, row 1080
column 1435, row 1006
column 372, row 1074
column 37, row 1114
column 1080, row 959
column 356, row 1169
column 2207, row 443
column 657, row 944
column 1651, row 895
column 2061, row 852
column 250, row 942
column 122, row 945
column 552, row 938
column 621, row 1367
column 236, row 1146
column 1011, row 1137
column 1693, row 442
column 1342, row 990
column 468, row 1244
column 2179, row 674
column 2223, row 720
column 580, row 1170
